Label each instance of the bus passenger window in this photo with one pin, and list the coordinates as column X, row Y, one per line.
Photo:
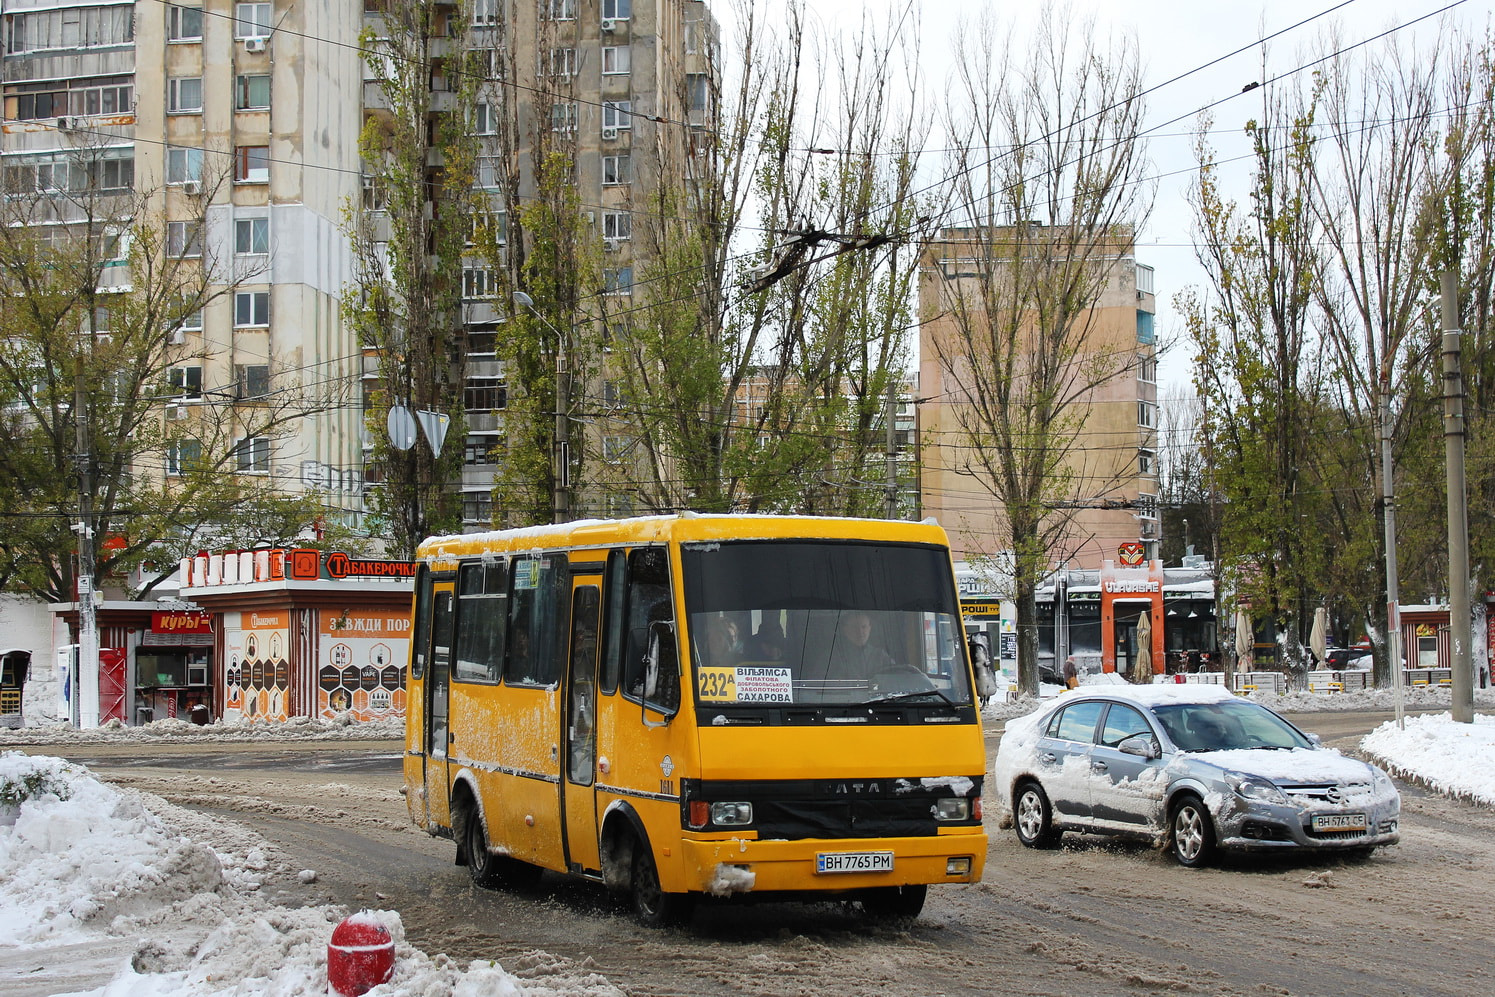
column 538, row 613
column 482, row 596
column 648, row 602
column 615, row 593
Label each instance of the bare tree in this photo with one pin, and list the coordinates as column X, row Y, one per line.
column 1048, row 187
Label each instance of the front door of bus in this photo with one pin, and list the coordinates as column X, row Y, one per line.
column 581, row 727
column 438, row 698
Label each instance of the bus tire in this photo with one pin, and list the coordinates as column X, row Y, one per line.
column 652, row 906
column 895, row 903
column 482, row 866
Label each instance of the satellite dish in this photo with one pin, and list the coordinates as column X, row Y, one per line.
column 401, row 425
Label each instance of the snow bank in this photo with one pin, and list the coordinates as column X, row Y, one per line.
column 342, row 728
column 1453, row 758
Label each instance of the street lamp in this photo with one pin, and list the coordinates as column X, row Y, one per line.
column 560, row 457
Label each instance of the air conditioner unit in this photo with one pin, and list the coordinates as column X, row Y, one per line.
column 611, row 245
column 609, row 133
column 177, row 337
column 256, row 44
column 65, row 124
column 191, row 187
column 609, row 24
column 176, row 412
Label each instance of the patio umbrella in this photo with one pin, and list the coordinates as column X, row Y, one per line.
column 1245, row 641
column 1318, row 637
column 1142, row 649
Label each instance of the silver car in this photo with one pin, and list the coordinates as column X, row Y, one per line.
column 1191, row 767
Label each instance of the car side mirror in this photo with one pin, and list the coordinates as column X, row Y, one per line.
column 1315, row 739
column 1141, row 745
column 661, row 674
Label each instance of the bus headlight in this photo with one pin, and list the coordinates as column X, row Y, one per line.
column 731, row 814
column 952, row 808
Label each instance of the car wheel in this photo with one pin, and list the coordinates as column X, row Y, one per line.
column 1191, row 833
column 1034, row 818
column 652, row 906
column 895, row 903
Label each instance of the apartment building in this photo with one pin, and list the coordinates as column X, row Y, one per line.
column 235, row 123
column 1111, row 499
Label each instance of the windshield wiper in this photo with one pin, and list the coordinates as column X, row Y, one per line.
column 900, row 697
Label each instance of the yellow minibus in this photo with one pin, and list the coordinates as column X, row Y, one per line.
column 691, row 706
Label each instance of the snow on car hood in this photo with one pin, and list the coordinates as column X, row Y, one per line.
column 1297, row 765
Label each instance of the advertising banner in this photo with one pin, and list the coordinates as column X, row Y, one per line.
column 361, row 664
column 257, row 673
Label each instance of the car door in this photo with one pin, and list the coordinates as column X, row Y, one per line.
column 1126, row 790
column 1063, row 761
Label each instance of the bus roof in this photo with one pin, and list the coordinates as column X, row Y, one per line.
column 683, row 527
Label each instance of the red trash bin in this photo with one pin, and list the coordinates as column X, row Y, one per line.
column 360, row 956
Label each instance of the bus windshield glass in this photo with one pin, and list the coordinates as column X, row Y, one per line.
column 822, row 622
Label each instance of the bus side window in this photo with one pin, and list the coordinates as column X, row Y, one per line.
column 420, row 631
column 539, row 611
column 615, row 594
column 482, row 594
column 648, row 602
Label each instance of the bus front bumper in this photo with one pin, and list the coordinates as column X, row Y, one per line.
column 722, row 867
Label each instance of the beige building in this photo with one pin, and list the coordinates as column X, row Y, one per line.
column 1113, row 494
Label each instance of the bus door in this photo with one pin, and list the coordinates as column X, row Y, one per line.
column 438, row 697
column 580, row 804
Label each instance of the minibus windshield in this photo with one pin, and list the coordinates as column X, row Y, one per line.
column 823, row 622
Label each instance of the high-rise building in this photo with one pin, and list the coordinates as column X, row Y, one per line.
column 1110, row 494
column 240, row 123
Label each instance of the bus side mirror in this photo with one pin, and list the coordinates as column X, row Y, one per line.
column 661, row 674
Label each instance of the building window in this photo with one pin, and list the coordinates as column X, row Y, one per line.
column 1144, row 463
column 486, row 12
column 1147, row 369
column 251, row 381
column 183, row 24
column 619, row 281
column 1144, row 279
column 1147, row 506
column 252, row 164
column 188, row 321
column 616, row 170
column 617, row 60
column 617, row 10
column 253, row 454
column 252, row 236
column 563, row 118
column 557, row 10
column 184, row 239
column 697, row 92
column 1144, row 327
column 485, row 394
column 617, row 225
column 184, row 95
column 479, row 450
column 489, row 227
column 615, row 448
column 1145, row 414
column 490, row 63
column 615, row 114
column 489, row 171
column 69, row 27
column 252, row 20
column 484, row 119
column 253, row 93
column 477, row 283
column 251, row 308
column 558, row 62
column 182, row 456
column 477, row 507
column 186, row 382
column 183, row 165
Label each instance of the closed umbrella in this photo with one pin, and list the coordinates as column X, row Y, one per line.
column 1245, row 640
column 1142, row 649
column 1318, row 637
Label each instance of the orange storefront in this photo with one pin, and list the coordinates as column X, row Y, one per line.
column 299, row 633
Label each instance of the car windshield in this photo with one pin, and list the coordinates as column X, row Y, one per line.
column 1226, row 726
column 828, row 623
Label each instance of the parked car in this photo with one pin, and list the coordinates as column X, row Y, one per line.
column 1190, row 767
column 1341, row 659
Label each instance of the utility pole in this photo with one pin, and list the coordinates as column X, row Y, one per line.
column 892, row 449
column 1388, row 505
column 1458, row 512
column 86, row 692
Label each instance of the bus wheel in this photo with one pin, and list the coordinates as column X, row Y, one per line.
column 652, row 906
column 481, row 866
column 895, row 903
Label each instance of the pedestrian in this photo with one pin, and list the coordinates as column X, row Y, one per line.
column 1071, row 673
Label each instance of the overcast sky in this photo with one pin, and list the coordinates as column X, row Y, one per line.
column 1174, row 37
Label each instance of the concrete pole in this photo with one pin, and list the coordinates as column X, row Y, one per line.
column 1388, row 501
column 86, row 690
column 1458, row 512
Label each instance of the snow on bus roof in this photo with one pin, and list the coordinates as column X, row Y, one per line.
column 562, row 529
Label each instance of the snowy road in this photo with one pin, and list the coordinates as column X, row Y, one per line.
column 1093, row 918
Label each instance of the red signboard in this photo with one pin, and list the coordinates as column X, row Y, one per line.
column 1130, row 554
column 340, row 565
column 181, row 623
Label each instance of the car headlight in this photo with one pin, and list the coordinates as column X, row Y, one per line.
column 1254, row 787
column 1383, row 781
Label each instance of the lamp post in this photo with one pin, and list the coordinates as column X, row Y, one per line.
column 560, row 503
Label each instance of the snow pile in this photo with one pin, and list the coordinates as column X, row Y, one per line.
column 122, row 879
column 1413, row 698
column 1453, row 758
column 341, row 728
